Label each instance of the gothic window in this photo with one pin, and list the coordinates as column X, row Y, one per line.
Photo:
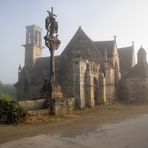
column 39, row 38
column 29, row 37
column 36, row 37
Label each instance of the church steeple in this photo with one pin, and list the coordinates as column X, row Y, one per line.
column 33, row 46
column 115, row 38
column 133, row 44
column 141, row 55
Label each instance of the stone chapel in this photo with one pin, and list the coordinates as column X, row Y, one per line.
column 89, row 71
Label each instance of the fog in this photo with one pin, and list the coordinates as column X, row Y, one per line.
column 100, row 19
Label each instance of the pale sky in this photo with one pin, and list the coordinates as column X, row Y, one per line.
column 100, row 19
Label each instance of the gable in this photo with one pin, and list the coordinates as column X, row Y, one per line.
column 82, row 46
column 126, row 57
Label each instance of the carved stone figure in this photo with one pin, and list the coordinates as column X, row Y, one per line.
column 51, row 24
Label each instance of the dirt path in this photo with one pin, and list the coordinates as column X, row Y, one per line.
column 130, row 133
column 78, row 123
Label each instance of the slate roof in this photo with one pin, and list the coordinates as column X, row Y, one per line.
column 140, row 70
column 126, row 58
column 92, row 49
column 43, row 63
column 108, row 45
column 81, row 42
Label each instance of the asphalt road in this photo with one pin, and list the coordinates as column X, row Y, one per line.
column 131, row 133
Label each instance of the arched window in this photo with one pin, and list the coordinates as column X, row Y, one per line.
column 29, row 38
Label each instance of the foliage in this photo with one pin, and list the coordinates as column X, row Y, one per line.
column 4, row 97
column 11, row 112
column 8, row 90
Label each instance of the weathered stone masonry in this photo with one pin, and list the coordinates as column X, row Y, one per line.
column 89, row 71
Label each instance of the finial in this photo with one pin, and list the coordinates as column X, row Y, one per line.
column 105, row 57
column 133, row 44
column 105, row 54
column 115, row 37
column 80, row 27
column 19, row 68
column 141, row 46
column 52, row 10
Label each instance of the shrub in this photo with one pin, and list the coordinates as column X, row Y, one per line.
column 11, row 112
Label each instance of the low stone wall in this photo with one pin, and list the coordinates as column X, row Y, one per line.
column 37, row 116
column 135, row 89
column 35, row 104
column 61, row 107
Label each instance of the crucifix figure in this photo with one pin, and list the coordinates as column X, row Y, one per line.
column 51, row 24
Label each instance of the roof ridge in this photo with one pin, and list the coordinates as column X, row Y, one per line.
column 105, row 41
column 126, row 47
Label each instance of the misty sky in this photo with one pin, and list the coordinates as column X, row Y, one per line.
column 100, row 19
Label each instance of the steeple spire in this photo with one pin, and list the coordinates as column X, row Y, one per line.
column 141, row 55
column 132, row 43
column 115, row 37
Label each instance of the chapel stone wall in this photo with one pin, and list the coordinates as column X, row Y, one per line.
column 135, row 89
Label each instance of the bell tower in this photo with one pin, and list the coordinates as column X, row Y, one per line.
column 33, row 46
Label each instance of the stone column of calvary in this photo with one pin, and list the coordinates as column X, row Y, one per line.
column 52, row 42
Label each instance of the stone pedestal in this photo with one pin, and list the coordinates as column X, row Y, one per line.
column 57, row 104
column 56, row 91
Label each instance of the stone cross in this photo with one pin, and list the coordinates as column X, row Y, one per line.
column 52, row 42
